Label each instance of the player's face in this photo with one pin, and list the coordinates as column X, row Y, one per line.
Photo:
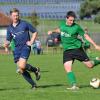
column 70, row 20
column 15, row 17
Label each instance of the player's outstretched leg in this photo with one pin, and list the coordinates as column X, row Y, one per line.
column 36, row 70
column 28, row 78
column 96, row 61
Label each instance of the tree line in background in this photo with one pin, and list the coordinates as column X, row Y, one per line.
column 90, row 9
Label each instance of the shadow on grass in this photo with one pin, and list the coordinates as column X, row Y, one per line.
column 51, row 85
column 12, row 88
column 44, row 71
column 40, row 86
column 88, row 86
column 84, row 86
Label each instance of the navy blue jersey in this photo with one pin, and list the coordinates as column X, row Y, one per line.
column 20, row 33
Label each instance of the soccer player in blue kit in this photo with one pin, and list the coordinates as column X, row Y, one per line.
column 19, row 32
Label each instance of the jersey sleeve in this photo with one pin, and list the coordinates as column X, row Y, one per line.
column 31, row 28
column 8, row 36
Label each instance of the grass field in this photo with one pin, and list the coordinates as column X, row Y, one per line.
column 53, row 83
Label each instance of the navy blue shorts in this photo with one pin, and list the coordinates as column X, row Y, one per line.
column 21, row 52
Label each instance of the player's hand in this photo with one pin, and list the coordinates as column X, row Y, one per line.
column 6, row 44
column 6, row 50
column 97, row 47
column 29, row 43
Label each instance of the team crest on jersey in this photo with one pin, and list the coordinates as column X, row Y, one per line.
column 65, row 34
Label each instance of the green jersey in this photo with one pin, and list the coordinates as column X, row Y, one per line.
column 69, row 36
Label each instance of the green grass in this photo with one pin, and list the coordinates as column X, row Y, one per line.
column 53, row 82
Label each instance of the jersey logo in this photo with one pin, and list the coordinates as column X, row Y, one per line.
column 64, row 34
column 18, row 33
column 13, row 35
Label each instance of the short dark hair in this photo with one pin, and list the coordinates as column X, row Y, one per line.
column 71, row 14
column 14, row 10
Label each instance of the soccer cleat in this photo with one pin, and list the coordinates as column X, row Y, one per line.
column 74, row 87
column 37, row 74
column 98, row 58
column 33, row 87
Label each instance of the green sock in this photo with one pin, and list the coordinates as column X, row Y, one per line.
column 96, row 62
column 71, row 78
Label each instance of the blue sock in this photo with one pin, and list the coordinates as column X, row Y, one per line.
column 30, row 68
column 28, row 78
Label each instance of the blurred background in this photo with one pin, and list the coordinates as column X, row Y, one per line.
column 47, row 14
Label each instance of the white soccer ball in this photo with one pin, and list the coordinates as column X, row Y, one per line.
column 95, row 82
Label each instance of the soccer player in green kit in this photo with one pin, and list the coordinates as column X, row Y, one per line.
column 72, row 46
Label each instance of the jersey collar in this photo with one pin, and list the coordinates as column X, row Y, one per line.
column 16, row 24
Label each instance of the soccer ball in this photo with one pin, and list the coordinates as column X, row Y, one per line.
column 95, row 82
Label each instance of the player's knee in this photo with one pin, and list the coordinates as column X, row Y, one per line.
column 68, row 68
column 21, row 66
column 90, row 65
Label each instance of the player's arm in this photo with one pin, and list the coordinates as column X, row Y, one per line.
column 7, row 41
column 87, row 37
column 34, row 34
column 56, row 30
